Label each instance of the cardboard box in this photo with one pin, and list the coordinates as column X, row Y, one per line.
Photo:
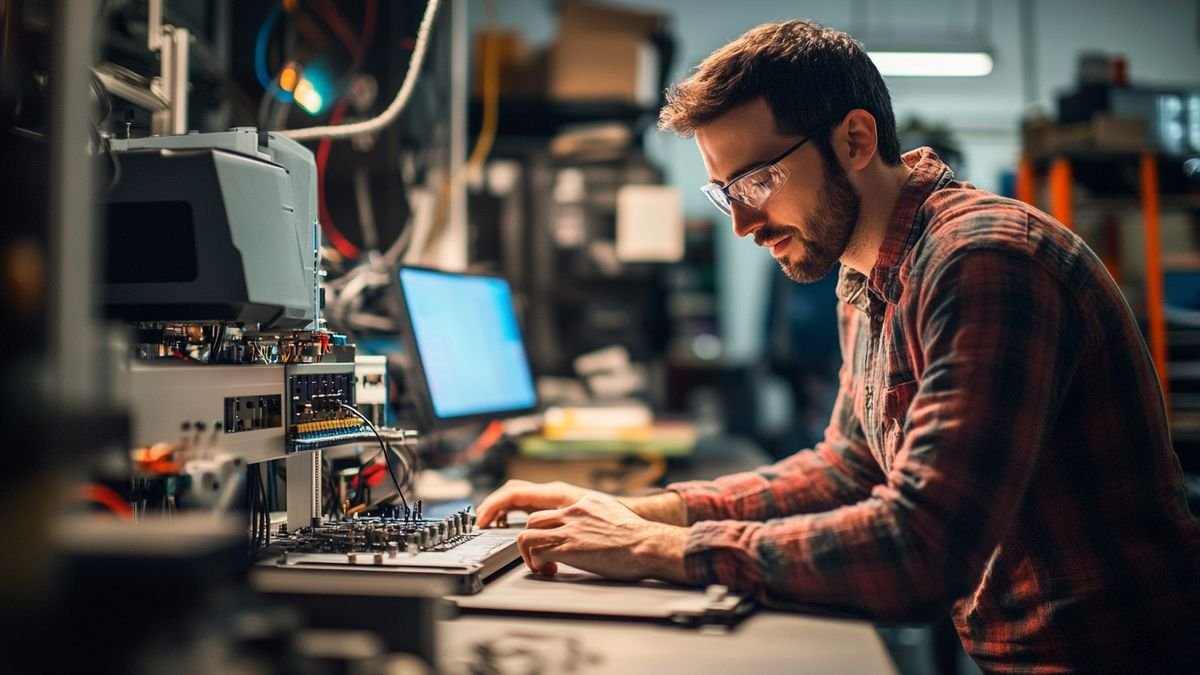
column 521, row 70
column 1104, row 132
column 604, row 53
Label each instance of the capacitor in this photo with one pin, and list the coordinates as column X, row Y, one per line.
column 393, row 549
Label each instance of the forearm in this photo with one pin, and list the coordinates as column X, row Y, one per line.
column 664, row 507
column 845, row 560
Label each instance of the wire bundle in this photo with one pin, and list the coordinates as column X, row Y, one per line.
column 259, row 510
column 386, row 449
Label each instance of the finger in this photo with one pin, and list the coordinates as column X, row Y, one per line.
column 531, row 539
column 523, row 549
column 536, row 547
column 543, row 520
column 542, row 556
column 500, row 501
column 488, row 509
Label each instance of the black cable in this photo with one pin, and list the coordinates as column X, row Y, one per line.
column 257, row 519
column 252, row 512
column 260, row 515
column 328, row 487
column 272, row 481
column 258, row 508
column 408, row 457
column 406, row 464
column 264, row 515
column 116, row 165
column 362, row 493
column 218, row 340
column 383, row 446
column 102, row 97
column 266, row 511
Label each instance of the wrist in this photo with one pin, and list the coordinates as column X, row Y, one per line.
column 662, row 549
column 664, row 507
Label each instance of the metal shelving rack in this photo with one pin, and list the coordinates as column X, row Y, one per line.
column 1060, row 179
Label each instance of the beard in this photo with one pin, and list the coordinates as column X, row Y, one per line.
column 829, row 228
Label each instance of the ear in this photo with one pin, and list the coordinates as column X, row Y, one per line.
column 857, row 139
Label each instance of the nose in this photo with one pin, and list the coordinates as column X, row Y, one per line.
column 745, row 219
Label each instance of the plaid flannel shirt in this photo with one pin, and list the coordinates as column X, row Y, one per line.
column 998, row 447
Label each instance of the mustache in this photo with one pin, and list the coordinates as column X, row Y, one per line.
column 773, row 232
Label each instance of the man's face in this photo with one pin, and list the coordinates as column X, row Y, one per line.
column 808, row 221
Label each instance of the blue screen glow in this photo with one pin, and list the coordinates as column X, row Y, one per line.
column 469, row 343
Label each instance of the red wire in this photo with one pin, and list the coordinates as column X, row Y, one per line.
column 340, row 242
column 368, row 31
column 107, row 497
column 339, row 27
column 372, row 475
column 357, row 49
column 490, row 436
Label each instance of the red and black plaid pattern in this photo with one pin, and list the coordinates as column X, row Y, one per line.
column 999, row 447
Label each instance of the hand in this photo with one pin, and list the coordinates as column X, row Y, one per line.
column 601, row 535
column 521, row 495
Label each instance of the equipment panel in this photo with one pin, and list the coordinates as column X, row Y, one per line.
column 189, row 405
column 321, row 408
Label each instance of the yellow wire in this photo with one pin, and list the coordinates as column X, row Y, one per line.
column 487, row 130
column 491, row 102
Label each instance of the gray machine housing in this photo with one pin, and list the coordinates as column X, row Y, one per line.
column 214, row 227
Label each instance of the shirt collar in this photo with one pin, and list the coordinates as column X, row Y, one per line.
column 928, row 174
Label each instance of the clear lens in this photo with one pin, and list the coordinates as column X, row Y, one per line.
column 717, row 196
column 754, row 189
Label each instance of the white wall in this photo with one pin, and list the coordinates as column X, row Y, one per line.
column 1160, row 39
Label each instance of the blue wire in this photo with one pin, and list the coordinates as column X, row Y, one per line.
column 260, row 49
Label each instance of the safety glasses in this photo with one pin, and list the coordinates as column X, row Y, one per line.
column 753, row 187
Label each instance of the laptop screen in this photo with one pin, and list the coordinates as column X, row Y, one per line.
column 470, row 360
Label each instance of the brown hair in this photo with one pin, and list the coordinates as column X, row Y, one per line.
column 809, row 75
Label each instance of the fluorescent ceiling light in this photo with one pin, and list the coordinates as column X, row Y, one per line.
column 932, row 64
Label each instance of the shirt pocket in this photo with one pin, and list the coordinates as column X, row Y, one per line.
column 897, row 398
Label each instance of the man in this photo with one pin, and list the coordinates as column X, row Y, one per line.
column 999, row 445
